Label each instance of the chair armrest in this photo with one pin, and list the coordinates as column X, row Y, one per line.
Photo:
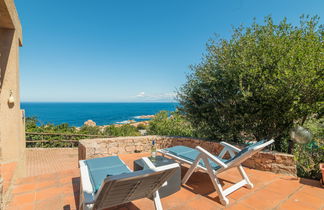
column 212, row 157
column 160, row 168
column 87, row 188
column 230, row 147
column 148, row 163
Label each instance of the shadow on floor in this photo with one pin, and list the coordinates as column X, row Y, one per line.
column 311, row 182
column 76, row 190
column 67, row 207
column 200, row 183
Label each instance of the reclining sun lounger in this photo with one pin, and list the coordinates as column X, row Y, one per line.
column 108, row 182
column 200, row 159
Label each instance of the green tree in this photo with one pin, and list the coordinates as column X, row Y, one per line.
column 263, row 80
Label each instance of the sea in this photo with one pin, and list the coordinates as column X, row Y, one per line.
column 75, row 114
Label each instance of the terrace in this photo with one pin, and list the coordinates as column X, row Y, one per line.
column 49, row 178
column 53, row 181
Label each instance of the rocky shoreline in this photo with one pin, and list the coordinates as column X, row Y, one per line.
column 145, row 117
column 91, row 123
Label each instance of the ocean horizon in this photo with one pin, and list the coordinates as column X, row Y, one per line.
column 102, row 113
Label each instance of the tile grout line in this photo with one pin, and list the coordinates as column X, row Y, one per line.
column 289, row 196
column 257, row 190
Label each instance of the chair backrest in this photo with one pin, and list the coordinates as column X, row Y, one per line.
column 125, row 188
column 248, row 152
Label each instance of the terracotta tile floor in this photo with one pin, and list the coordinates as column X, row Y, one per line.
column 50, row 160
column 60, row 190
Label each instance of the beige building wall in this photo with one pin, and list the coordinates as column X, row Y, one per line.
column 12, row 126
column 12, row 138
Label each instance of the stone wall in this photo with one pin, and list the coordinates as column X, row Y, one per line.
column 265, row 160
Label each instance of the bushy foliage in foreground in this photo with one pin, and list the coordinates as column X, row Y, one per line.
column 170, row 124
column 262, row 81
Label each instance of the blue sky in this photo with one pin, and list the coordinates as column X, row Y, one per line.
column 126, row 51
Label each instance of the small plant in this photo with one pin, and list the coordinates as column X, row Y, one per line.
column 309, row 156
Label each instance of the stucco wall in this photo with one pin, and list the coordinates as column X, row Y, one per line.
column 11, row 118
column 12, row 128
column 266, row 161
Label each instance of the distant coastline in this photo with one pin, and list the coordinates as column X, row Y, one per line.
column 102, row 113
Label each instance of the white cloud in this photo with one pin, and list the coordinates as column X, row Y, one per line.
column 170, row 96
column 141, row 94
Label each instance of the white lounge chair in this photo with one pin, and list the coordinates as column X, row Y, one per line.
column 108, row 182
column 200, row 159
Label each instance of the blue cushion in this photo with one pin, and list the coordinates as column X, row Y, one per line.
column 98, row 163
column 191, row 154
column 100, row 168
column 248, row 148
column 179, row 149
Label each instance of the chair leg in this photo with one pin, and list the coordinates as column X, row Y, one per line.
column 216, row 183
column 157, row 201
column 220, row 191
column 191, row 170
column 81, row 206
column 245, row 177
column 81, row 198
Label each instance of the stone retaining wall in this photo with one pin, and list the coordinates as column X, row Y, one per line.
column 265, row 160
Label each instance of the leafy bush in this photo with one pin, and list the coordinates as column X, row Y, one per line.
column 124, row 130
column 141, row 126
column 90, row 130
column 262, row 81
column 309, row 156
column 170, row 124
column 33, row 125
column 65, row 132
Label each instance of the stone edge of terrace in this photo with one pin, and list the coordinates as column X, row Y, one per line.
column 265, row 161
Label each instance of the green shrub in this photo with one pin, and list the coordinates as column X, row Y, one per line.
column 31, row 123
column 124, row 130
column 170, row 124
column 65, row 132
column 90, row 130
column 141, row 126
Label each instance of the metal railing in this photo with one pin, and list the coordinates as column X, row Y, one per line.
column 45, row 140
